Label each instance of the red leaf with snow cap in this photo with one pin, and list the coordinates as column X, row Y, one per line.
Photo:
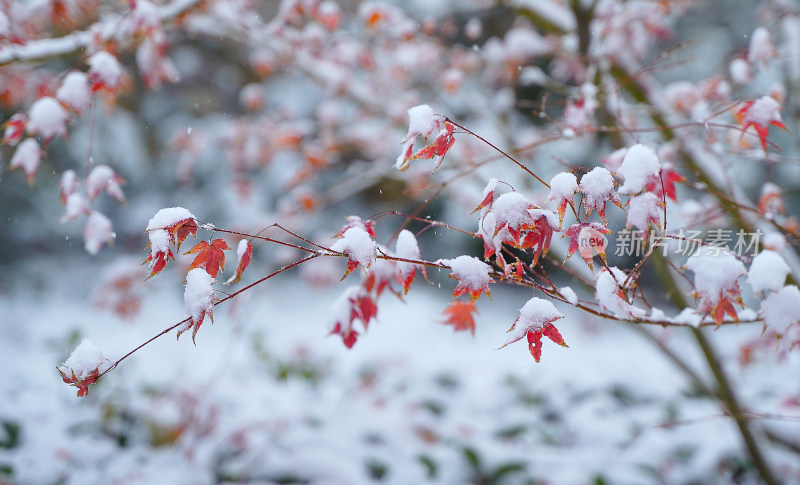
column 760, row 114
column 535, row 320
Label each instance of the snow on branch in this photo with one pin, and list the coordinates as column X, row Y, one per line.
column 74, row 42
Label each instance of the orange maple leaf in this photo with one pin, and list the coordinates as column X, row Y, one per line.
column 181, row 230
column 209, row 256
column 244, row 259
column 81, row 384
column 460, row 315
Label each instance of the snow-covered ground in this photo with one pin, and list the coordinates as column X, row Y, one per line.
column 266, row 397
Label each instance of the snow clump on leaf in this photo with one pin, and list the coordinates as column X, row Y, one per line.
column 97, row 231
column 535, row 320
column 611, row 294
column 715, row 279
column 472, row 275
column 198, row 299
column 638, row 167
column 74, row 91
column 768, row 272
column 357, row 244
column 779, row 309
column 83, row 366
column 597, row 187
column 48, row 119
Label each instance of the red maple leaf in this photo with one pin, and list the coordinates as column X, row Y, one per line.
column 160, row 260
column 361, row 307
column 81, row 384
column 209, row 256
column 668, row 177
column 194, row 324
column 587, row 238
column 722, row 307
column 535, row 340
column 460, row 314
column 472, row 274
column 444, row 140
column 349, row 335
column 15, row 129
column 181, row 230
column 365, row 309
column 539, row 238
column 436, row 149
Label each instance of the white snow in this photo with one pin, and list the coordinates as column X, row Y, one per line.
column 512, row 208
column 68, row 184
column 607, row 293
column 407, row 248
column 159, row 243
column 780, row 309
column 97, row 231
column 569, row 295
column 102, row 178
column 198, row 296
column 169, row 216
column 774, row 241
column 522, row 44
column 562, row 187
column 145, row 16
column 638, row 167
column 84, row 359
column 47, row 118
column 74, row 91
column 241, row 249
column 714, row 273
column 470, row 272
column 27, row 157
column 763, row 111
column 74, row 206
column 613, row 161
column 533, row 316
column 422, row 121
column 641, row 209
column 689, row 316
column 761, row 49
column 358, row 245
column 473, row 28
column 768, row 272
column 740, row 71
column 598, row 187
column 105, row 69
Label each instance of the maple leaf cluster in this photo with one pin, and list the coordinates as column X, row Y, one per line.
column 423, row 124
column 513, row 220
column 168, row 229
column 83, row 367
column 394, row 272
